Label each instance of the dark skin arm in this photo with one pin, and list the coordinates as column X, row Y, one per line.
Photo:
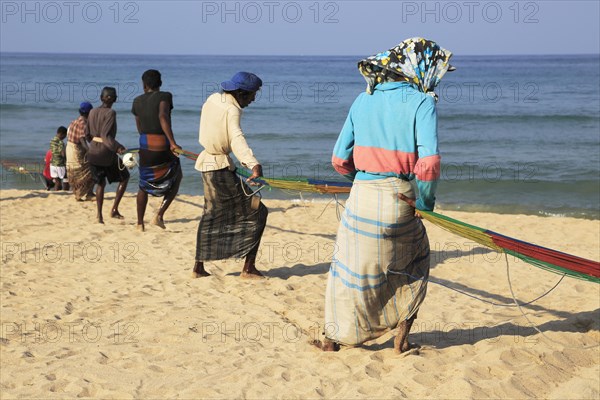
column 411, row 202
column 84, row 144
column 85, row 139
column 164, row 116
column 137, row 124
column 257, row 172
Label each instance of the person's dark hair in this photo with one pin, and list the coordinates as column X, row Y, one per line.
column 61, row 130
column 152, row 79
column 238, row 93
column 108, row 91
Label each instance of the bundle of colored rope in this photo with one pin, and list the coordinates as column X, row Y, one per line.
column 542, row 257
column 548, row 259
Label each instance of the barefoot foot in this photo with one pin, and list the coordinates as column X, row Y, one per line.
column 407, row 348
column 255, row 274
column 115, row 214
column 413, row 351
column 326, row 345
column 158, row 222
column 198, row 271
column 140, row 227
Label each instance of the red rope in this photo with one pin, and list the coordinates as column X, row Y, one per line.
column 546, row 255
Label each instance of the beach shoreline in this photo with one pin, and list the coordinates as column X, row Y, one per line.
column 30, row 180
column 104, row 311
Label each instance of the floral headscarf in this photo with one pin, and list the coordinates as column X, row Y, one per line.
column 415, row 60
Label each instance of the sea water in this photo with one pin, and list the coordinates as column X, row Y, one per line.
column 517, row 134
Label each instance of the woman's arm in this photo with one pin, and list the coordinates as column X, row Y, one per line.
column 343, row 152
column 427, row 168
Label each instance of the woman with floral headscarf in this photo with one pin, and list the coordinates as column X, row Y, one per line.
column 378, row 276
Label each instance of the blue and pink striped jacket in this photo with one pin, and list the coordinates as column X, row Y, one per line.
column 392, row 132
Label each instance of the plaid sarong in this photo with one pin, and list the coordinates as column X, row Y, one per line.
column 229, row 227
column 380, row 267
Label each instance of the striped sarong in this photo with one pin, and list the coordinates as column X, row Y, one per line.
column 159, row 168
column 79, row 172
column 380, row 267
column 229, row 227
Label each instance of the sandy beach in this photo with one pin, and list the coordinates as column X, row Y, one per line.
column 105, row 311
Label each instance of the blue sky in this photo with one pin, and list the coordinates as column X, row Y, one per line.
column 297, row 27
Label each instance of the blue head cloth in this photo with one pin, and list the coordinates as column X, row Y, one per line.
column 85, row 107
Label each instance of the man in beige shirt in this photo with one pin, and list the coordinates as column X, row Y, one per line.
column 230, row 226
column 221, row 134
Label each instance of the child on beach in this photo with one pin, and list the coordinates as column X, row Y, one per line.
column 46, row 174
column 58, row 164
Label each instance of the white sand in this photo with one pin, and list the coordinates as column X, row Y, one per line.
column 104, row 311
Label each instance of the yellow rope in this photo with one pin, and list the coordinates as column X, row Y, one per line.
column 461, row 230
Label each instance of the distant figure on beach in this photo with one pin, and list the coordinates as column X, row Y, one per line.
column 379, row 272
column 160, row 171
column 231, row 226
column 58, row 164
column 48, row 181
column 102, row 155
column 78, row 168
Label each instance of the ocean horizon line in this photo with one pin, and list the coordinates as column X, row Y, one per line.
column 275, row 55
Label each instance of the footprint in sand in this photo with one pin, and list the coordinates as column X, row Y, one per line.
column 376, row 356
column 58, row 386
column 401, row 390
column 373, row 370
column 88, row 392
column 155, row 368
column 28, row 354
column 102, row 359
